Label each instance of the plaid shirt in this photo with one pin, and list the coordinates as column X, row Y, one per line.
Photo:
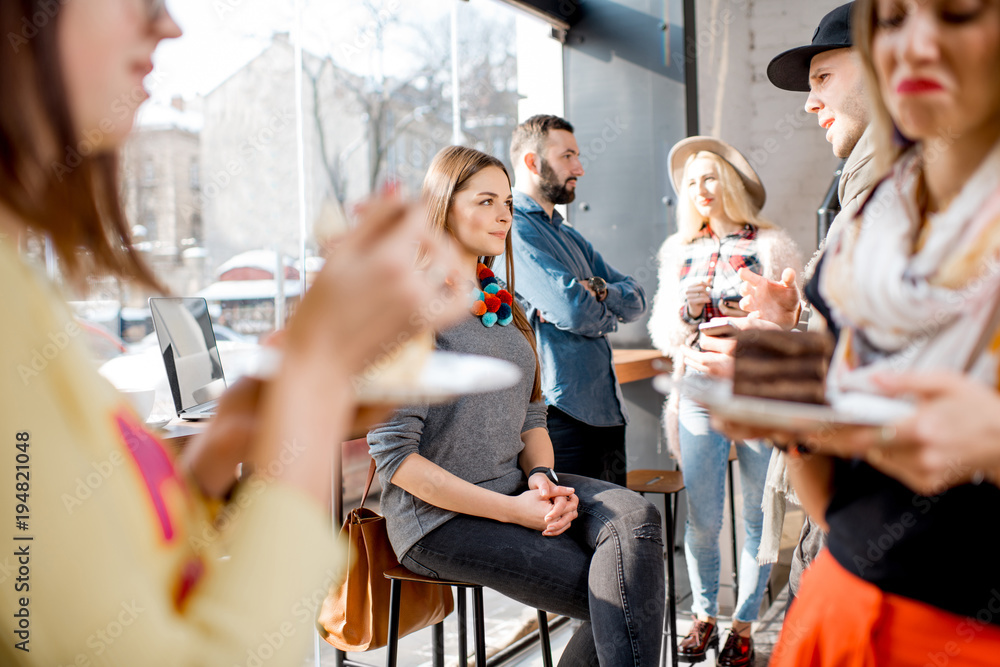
column 718, row 259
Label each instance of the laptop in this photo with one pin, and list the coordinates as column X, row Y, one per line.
column 190, row 354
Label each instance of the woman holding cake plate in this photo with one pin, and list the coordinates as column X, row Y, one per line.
column 468, row 488
column 910, row 575
column 142, row 545
column 720, row 231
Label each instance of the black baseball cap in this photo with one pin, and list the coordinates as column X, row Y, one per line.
column 790, row 70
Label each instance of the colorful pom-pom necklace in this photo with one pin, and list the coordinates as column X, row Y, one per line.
column 491, row 303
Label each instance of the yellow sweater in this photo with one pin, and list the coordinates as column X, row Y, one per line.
column 107, row 555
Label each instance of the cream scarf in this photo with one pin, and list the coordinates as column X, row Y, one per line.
column 902, row 308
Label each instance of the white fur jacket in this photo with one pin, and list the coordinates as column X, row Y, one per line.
column 670, row 333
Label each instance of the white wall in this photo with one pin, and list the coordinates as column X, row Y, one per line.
column 736, row 41
column 539, row 69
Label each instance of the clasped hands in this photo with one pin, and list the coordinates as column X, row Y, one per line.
column 548, row 507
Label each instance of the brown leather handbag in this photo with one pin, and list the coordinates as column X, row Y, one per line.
column 355, row 615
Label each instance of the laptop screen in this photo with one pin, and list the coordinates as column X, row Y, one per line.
column 190, row 354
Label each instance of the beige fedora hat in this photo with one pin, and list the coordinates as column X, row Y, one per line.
column 685, row 148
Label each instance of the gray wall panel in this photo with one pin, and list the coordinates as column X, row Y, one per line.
column 624, row 77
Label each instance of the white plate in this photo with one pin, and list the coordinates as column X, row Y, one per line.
column 154, row 424
column 847, row 409
column 445, row 376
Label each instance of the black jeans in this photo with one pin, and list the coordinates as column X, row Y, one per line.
column 590, row 451
column 606, row 569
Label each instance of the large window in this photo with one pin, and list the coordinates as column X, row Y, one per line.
column 268, row 120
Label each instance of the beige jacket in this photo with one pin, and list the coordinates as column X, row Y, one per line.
column 119, row 559
column 857, row 181
column 670, row 333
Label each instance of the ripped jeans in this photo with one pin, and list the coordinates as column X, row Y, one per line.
column 606, row 570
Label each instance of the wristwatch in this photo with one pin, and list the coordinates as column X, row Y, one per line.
column 600, row 287
column 548, row 472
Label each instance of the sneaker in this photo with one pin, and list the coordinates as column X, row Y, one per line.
column 703, row 635
column 738, row 652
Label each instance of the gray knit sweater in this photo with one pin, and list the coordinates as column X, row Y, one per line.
column 477, row 438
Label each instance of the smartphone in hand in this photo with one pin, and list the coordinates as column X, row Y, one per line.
column 720, row 327
column 730, row 305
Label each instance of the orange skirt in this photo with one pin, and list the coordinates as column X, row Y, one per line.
column 840, row 620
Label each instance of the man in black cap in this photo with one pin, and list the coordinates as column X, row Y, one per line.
column 830, row 71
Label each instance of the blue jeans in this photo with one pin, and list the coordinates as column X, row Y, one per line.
column 704, row 457
column 606, row 570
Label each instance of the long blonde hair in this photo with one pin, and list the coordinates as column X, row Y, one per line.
column 736, row 201
column 448, row 175
column 887, row 149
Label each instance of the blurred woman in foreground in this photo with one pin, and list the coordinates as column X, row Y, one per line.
column 910, row 575
column 113, row 543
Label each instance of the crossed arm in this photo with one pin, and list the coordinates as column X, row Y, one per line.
column 566, row 301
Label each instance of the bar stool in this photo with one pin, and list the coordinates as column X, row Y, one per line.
column 732, row 522
column 668, row 483
column 399, row 574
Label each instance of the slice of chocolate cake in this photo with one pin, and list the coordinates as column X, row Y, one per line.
column 783, row 365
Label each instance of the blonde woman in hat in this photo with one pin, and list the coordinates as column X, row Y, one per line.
column 720, row 231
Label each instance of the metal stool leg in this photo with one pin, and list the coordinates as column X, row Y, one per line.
column 437, row 645
column 543, row 634
column 463, row 644
column 479, row 619
column 671, row 591
column 732, row 519
column 677, row 502
column 392, row 650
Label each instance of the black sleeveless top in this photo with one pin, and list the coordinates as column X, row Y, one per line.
column 943, row 550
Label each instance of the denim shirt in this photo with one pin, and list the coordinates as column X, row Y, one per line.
column 552, row 261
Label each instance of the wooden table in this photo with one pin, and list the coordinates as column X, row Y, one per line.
column 178, row 432
column 633, row 365
column 630, row 366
